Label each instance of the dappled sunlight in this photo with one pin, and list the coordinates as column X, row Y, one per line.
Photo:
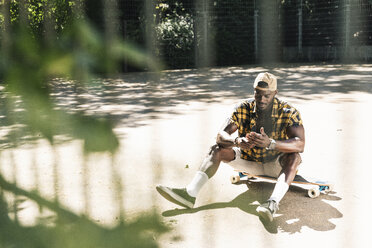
column 136, row 97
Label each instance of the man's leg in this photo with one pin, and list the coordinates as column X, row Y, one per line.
column 289, row 163
column 186, row 196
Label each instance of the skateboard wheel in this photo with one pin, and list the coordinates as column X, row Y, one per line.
column 235, row 179
column 329, row 189
column 313, row 193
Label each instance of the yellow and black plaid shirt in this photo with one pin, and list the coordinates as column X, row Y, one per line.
column 283, row 116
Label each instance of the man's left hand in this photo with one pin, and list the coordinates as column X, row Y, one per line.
column 259, row 139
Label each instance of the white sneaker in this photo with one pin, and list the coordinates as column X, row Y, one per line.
column 268, row 209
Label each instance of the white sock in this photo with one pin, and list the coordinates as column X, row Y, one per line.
column 197, row 183
column 281, row 187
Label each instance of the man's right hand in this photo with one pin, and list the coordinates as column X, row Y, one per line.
column 243, row 143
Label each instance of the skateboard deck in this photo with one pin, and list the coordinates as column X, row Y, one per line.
column 313, row 186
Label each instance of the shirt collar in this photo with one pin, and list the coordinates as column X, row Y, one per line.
column 274, row 112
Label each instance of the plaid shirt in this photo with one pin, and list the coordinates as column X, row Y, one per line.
column 283, row 116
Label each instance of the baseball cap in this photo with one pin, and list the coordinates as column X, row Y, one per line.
column 265, row 81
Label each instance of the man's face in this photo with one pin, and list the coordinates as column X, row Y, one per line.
column 264, row 98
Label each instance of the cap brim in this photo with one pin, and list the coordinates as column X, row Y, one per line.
column 259, row 88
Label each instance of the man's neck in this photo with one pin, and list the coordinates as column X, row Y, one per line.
column 265, row 113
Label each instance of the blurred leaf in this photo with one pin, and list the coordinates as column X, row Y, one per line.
column 96, row 133
column 60, row 64
column 78, row 53
column 135, row 55
column 29, row 62
column 72, row 230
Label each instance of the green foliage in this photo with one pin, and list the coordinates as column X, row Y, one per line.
column 228, row 22
column 32, row 56
column 27, row 69
column 37, row 12
column 28, row 63
column 175, row 32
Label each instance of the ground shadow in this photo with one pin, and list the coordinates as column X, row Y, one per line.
column 296, row 209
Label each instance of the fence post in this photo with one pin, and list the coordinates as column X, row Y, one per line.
column 151, row 40
column 203, row 58
column 300, row 28
column 205, row 34
column 269, row 29
column 5, row 41
column 255, row 32
column 346, row 52
column 125, row 33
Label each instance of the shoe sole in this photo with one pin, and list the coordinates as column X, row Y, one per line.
column 173, row 197
column 264, row 213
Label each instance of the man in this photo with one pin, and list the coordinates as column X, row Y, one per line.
column 270, row 138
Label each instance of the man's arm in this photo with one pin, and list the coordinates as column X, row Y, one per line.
column 224, row 137
column 295, row 143
column 226, row 140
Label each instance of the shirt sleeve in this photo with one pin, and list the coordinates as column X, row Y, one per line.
column 239, row 114
column 295, row 119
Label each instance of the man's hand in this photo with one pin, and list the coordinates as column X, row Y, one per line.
column 243, row 143
column 259, row 139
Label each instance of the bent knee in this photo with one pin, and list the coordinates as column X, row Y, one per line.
column 222, row 154
column 291, row 159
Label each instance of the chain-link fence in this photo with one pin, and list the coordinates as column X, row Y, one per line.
column 327, row 30
column 224, row 32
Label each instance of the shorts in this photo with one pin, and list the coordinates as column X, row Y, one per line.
column 271, row 168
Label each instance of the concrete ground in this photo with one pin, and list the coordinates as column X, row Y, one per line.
column 166, row 124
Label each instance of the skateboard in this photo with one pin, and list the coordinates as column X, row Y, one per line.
column 313, row 186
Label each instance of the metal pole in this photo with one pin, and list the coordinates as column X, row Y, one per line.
column 269, row 31
column 256, row 34
column 205, row 27
column 151, row 42
column 347, row 29
column 125, row 31
column 300, row 28
column 5, row 32
column 203, row 51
